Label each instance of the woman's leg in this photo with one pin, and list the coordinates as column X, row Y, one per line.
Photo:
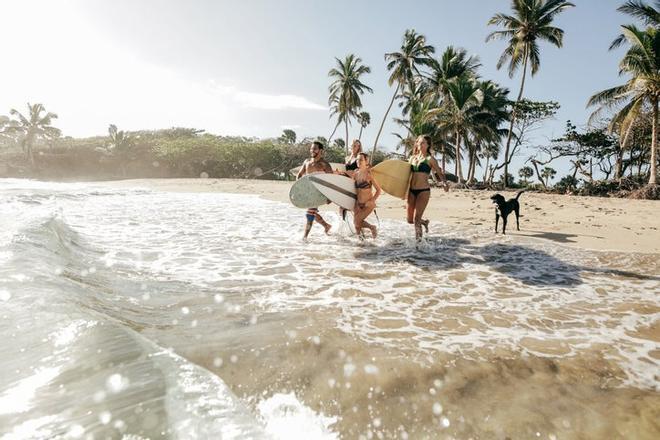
column 361, row 213
column 410, row 208
column 421, row 201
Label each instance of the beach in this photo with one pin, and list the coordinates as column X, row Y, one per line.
column 596, row 223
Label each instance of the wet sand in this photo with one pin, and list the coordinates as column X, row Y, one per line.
column 586, row 222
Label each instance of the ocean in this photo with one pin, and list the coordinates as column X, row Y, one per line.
column 135, row 314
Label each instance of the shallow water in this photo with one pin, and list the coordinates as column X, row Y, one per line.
column 139, row 314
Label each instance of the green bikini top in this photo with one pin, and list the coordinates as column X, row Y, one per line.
column 423, row 166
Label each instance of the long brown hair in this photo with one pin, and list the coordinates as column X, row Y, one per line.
column 428, row 140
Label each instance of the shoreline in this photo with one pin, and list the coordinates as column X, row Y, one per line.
column 596, row 223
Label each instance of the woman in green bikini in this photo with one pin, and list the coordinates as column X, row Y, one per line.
column 422, row 163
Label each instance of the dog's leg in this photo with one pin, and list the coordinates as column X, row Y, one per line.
column 503, row 225
column 517, row 211
column 497, row 219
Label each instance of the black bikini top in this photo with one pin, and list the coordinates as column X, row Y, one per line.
column 352, row 165
column 422, row 167
column 363, row 185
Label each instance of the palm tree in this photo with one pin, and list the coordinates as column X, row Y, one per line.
column 451, row 64
column 489, row 151
column 531, row 21
column 346, row 88
column 418, row 123
column 487, row 121
column 36, row 126
column 525, row 173
column 364, row 119
column 120, row 141
column 642, row 64
column 548, row 173
column 458, row 115
column 647, row 14
column 404, row 65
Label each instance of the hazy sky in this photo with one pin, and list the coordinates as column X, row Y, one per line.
column 253, row 67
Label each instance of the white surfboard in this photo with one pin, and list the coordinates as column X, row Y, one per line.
column 337, row 188
column 303, row 194
column 334, row 165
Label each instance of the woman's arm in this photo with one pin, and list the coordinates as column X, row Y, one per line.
column 439, row 172
column 379, row 190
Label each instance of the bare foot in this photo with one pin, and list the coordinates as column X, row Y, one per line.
column 425, row 223
column 327, row 227
column 374, row 231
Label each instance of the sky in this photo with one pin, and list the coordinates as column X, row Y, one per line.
column 255, row 67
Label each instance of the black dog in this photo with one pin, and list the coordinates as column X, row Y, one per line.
column 504, row 208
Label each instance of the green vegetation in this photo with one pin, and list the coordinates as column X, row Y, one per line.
column 174, row 152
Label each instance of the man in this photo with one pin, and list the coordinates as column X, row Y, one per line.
column 315, row 164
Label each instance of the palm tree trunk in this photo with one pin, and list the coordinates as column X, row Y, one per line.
column 459, row 171
column 360, row 136
column 618, row 167
column 28, row 149
column 346, row 125
column 382, row 124
column 472, row 164
column 654, row 145
column 444, row 160
column 333, row 132
column 486, row 168
column 513, row 120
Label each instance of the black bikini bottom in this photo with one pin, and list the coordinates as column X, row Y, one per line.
column 416, row 192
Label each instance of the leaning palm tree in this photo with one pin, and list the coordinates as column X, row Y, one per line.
column 347, row 87
column 334, row 110
column 364, row 119
column 531, row 22
column 642, row 64
column 33, row 127
column 404, row 65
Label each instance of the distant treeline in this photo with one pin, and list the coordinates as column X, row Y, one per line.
column 174, row 152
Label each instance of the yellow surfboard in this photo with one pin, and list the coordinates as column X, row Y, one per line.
column 393, row 176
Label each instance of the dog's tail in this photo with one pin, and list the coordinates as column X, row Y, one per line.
column 519, row 192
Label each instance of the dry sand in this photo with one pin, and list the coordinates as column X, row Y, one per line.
column 586, row 222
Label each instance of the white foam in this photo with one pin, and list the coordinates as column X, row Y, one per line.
column 286, row 418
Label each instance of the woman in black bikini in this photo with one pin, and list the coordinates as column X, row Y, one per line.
column 422, row 163
column 352, row 160
column 366, row 200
